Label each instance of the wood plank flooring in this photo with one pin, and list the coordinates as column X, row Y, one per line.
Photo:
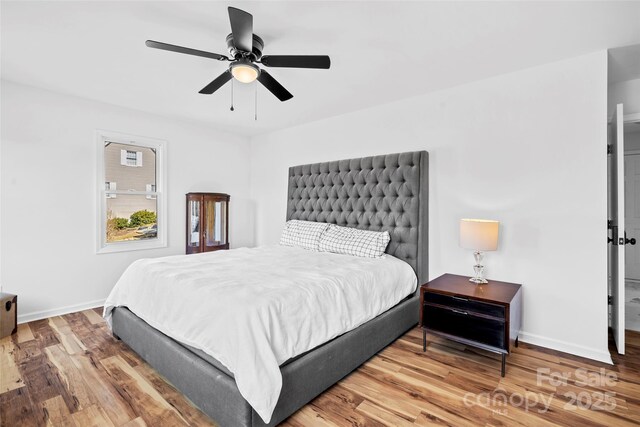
column 69, row 371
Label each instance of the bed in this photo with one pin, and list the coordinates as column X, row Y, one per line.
column 386, row 192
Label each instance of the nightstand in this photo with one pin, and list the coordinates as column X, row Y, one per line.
column 485, row 316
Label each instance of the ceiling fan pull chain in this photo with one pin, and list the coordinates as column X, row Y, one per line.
column 231, row 95
column 255, row 110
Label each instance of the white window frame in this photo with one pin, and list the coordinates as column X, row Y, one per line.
column 102, row 247
column 111, row 187
column 151, row 188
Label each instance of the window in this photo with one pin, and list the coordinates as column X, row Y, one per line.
column 131, row 158
column 131, row 203
column 110, row 188
column 151, row 189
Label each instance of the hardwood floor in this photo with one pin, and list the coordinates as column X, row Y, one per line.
column 69, row 371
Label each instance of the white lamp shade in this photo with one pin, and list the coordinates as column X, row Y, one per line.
column 479, row 234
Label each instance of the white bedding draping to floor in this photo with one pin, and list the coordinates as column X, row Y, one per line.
column 253, row 309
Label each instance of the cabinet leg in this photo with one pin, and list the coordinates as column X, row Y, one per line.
column 424, row 340
column 504, row 359
column 517, row 341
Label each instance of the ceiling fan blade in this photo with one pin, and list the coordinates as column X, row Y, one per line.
column 217, row 83
column 242, row 29
column 297, row 61
column 274, row 87
column 185, row 50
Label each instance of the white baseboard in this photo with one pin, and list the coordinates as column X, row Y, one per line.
column 578, row 350
column 37, row 315
column 566, row 347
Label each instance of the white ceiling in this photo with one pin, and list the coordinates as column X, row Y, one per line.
column 624, row 63
column 380, row 51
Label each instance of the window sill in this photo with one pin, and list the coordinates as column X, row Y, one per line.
column 130, row 246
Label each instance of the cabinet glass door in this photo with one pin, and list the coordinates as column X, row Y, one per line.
column 215, row 228
column 221, row 222
column 194, row 217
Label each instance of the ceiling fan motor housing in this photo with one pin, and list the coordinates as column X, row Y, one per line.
column 256, row 54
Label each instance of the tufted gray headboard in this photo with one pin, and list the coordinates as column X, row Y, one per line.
column 388, row 192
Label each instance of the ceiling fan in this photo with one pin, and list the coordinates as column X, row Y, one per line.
column 245, row 49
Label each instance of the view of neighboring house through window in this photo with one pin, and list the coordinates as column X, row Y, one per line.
column 130, row 204
column 130, row 170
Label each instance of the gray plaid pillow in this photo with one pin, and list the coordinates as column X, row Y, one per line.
column 352, row 241
column 303, row 234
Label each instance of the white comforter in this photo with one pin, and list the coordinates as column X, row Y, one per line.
column 253, row 309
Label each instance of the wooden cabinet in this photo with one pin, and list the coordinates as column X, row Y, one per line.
column 207, row 222
column 487, row 316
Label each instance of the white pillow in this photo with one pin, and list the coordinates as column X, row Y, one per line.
column 303, row 234
column 351, row 241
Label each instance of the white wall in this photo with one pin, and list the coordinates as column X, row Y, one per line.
column 48, row 178
column 525, row 148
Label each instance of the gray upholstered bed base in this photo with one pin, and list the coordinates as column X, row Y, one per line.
column 381, row 193
column 216, row 393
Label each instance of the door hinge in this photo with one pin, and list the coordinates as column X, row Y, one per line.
column 609, row 148
column 609, row 300
column 614, row 235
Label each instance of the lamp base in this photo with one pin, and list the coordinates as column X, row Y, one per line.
column 478, row 269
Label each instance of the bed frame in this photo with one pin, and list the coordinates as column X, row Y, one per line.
column 388, row 192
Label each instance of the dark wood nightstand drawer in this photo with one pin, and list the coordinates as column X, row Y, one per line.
column 465, row 304
column 487, row 316
column 463, row 324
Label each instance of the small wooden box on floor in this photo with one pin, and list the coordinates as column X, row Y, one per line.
column 486, row 316
column 8, row 314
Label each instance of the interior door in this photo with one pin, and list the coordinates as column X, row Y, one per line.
column 616, row 217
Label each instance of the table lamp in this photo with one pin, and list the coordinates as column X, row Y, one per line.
column 480, row 235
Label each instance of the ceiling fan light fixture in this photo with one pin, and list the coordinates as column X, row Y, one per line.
column 244, row 71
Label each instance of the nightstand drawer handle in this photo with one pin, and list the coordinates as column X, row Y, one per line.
column 459, row 311
column 460, row 298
